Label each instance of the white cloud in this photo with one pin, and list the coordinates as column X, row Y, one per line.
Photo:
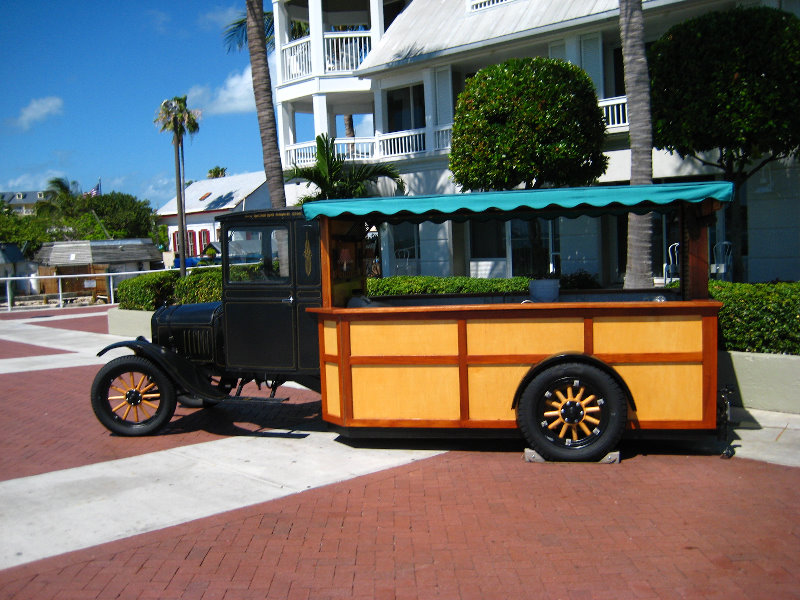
column 32, row 181
column 220, row 18
column 159, row 190
column 159, row 20
column 39, row 109
column 235, row 95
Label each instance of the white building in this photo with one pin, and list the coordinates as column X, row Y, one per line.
column 397, row 67
column 207, row 198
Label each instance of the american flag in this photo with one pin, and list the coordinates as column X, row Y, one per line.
column 95, row 191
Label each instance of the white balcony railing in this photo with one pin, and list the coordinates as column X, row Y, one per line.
column 418, row 141
column 296, row 59
column 443, row 137
column 402, row 142
column 345, row 51
column 615, row 113
column 305, row 153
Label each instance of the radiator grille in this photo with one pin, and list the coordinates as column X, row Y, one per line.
column 197, row 343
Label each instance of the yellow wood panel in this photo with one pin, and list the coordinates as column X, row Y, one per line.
column 665, row 392
column 329, row 338
column 405, row 392
column 404, row 338
column 648, row 334
column 491, row 391
column 524, row 336
column 331, row 399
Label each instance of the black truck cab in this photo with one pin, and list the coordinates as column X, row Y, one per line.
column 260, row 331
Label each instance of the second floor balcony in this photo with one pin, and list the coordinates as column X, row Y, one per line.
column 417, row 142
column 344, row 51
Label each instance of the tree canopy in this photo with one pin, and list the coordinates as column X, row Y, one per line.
column 724, row 93
column 531, row 121
column 726, row 83
column 69, row 216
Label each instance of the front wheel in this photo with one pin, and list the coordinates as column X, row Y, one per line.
column 132, row 397
column 572, row 412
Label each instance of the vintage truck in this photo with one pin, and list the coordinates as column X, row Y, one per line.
column 571, row 376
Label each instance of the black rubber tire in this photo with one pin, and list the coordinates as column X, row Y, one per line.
column 132, row 384
column 572, row 412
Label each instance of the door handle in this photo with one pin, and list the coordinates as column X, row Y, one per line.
column 289, row 300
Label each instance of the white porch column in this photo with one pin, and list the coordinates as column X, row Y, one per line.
column 378, row 117
column 316, row 29
column 429, row 90
column 321, row 121
column 444, row 96
column 281, row 26
column 286, row 135
column 376, row 21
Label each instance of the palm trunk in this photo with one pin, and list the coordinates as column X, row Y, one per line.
column 349, row 129
column 639, row 271
column 179, row 198
column 262, row 89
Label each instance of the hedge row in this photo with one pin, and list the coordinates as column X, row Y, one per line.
column 759, row 317
column 402, row 285
column 151, row 290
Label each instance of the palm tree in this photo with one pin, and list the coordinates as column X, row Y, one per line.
column 217, row 172
column 236, row 32
column 336, row 178
column 262, row 90
column 174, row 116
column 639, row 271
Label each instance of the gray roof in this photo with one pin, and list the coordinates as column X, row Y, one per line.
column 427, row 29
column 88, row 252
column 222, row 193
column 28, row 197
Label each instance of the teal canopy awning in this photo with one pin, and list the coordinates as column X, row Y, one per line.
column 542, row 202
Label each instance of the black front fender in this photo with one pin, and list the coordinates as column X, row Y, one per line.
column 185, row 374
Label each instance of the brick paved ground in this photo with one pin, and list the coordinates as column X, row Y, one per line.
column 470, row 524
column 476, row 522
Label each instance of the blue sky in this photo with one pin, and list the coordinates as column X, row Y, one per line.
column 83, row 82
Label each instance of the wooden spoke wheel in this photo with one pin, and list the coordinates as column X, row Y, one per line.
column 572, row 412
column 131, row 396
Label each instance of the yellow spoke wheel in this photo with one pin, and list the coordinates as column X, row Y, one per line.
column 132, row 396
column 572, row 411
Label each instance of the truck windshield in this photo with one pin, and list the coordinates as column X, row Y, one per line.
column 258, row 254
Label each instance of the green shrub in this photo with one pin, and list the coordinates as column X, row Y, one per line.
column 758, row 317
column 201, row 285
column 403, row 285
column 148, row 291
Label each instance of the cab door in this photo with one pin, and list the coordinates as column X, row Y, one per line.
column 260, row 298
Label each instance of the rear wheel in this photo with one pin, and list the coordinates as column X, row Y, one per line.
column 131, row 396
column 572, row 412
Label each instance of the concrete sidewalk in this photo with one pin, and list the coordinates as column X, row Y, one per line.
column 259, row 501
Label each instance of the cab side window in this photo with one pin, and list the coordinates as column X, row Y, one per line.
column 258, row 254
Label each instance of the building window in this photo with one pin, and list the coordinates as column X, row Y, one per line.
column 488, row 239
column 405, row 238
column 535, row 247
column 529, row 248
column 205, row 239
column 191, row 242
column 175, row 241
column 406, row 108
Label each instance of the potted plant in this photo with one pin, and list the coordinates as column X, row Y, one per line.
column 544, row 289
